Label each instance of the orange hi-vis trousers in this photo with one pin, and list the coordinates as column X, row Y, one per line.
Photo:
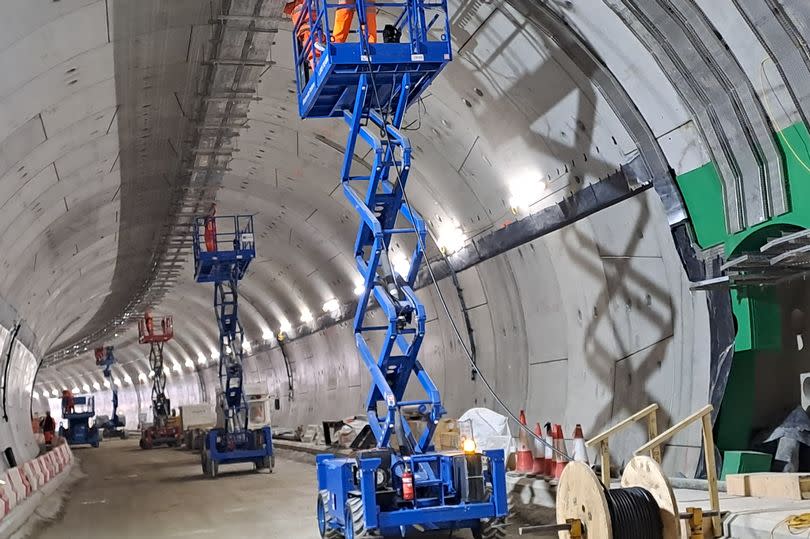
column 343, row 22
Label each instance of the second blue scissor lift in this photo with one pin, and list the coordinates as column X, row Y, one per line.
column 223, row 249
column 396, row 487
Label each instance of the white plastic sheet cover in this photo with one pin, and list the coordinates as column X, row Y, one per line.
column 490, row 429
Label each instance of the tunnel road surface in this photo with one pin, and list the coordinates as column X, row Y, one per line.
column 131, row 493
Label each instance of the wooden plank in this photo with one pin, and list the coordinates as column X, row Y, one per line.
column 711, row 470
column 641, row 414
column 791, row 486
column 673, row 430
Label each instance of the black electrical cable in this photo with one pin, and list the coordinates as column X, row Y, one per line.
column 634, row 514
column 498, row 399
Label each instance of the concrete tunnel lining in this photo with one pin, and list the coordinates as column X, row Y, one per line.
column 583, row 325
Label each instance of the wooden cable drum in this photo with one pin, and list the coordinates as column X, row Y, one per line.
column 630, row 512
column 643, row 471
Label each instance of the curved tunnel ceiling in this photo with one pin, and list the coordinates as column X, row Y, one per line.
column 540, row 101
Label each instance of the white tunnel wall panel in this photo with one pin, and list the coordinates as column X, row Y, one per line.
column 15, row 422
column 585, row 325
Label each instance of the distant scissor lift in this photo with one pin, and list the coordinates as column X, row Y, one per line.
column 405, row 486
column 79, row 430
column 157, row 331
column 223, row 249
column 115, row 425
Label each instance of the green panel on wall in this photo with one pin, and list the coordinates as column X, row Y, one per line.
column 703, row 195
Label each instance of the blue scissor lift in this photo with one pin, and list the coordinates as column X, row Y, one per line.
column 79, row 430
column 223, row 249
column 115, row 425
column 370, row 86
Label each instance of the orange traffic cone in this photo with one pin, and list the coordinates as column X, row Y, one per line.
column 539, row 452
column 548, row 473
column 560, row 454
column 580, row 453
column 525, row 459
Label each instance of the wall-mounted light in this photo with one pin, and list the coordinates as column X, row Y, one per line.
column 142, row 377
column 201, row 359
column 117, row 381
column 284, row 326
column 55, row 392
column 450, row 237
column 85, row 388
column 127, row 379
column 96, row 386
column 332, row 307
column 34, row 395
column 306, row 316
column 401, row 264
column 177, row 368
column 525, row 190
column 107, row 384
column 189, row 363
column 359, row 287
column 267, row 334
column 74, row 390
column 246, row 346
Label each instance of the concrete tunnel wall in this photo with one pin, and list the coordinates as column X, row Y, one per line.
column 584, row 325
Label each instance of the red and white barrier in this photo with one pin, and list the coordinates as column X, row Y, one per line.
column 33, row 474
column 18, row 483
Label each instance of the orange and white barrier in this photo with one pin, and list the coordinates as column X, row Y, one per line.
column 560, row 454
column 580, row 451
column 539, row 467
column 549, row 455
column 525, row 459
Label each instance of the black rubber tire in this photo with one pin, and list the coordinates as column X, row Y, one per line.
column 329, row 533
column 354, row 509
column 213, row 468
column 204, row 461
column 492, row 528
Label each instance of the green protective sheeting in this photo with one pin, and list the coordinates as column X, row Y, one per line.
column 756, row 311
column 703, row 195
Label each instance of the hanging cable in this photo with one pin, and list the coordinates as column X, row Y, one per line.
column 385, row 113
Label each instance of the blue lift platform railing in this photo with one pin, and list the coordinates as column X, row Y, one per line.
column 115, row 425
column 79, row 430
column 223, row 249
column 370, row 84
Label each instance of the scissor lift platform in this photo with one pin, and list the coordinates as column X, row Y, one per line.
column 233, row 248
column 327, row 86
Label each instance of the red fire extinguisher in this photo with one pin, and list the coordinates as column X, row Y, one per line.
column 407, row 484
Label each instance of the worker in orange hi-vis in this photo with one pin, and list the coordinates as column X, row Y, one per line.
column 149, row 322
column 211, row 229
column 296, row 10
column 343, row 22
column 68, row 404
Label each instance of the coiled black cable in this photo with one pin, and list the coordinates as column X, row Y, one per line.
column 634, row 514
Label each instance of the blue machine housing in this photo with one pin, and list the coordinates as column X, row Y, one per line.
column 223, row 249
column 79, row 430
column 370, row 86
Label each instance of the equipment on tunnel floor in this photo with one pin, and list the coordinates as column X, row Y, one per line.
column 115, row 426
column 404, row 483
column 164, row 429
column 79, row 430
column 223, row 259
column 645, row 506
